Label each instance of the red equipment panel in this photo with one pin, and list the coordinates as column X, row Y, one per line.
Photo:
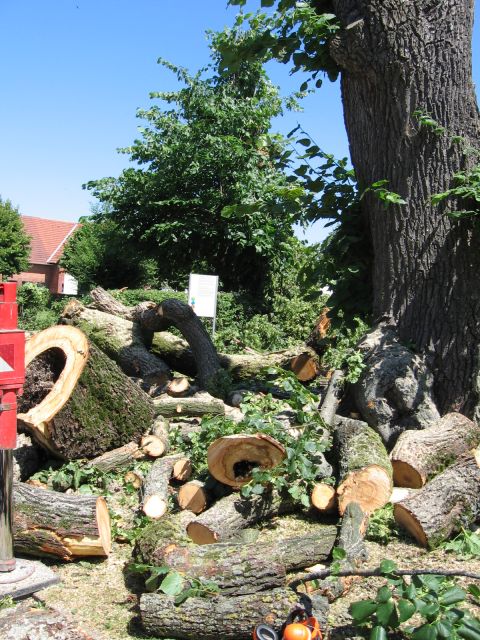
column 8, row 305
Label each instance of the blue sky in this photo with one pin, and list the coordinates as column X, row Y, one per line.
column 75, row 71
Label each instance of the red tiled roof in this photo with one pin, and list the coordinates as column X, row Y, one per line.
column 47, row 238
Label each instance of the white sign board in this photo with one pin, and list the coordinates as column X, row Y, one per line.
column 70, row 285
column 202, row 295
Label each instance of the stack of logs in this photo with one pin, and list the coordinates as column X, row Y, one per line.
column 100, row 387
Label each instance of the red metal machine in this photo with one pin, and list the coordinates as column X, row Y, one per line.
column 12, row 377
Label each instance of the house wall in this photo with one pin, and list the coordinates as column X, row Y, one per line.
column 46, row 274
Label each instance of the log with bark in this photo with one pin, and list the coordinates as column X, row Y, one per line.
column 198, row 405
column 92, row 407
column 421, row 454
column 233, row 513
column 121, row 339
column 365, row 471
column 231, row 458
column 156, row 485
column 197, row 355
column 445, row 504
column 240, row 568
column 56, row 525
column 226, row 617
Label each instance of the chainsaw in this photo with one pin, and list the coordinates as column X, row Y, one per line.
column 298, row 626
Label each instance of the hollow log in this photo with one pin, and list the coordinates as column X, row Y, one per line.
column 198, row 405
column 365, row 471
column 197, row 353
column 92, row 407
column 444, row 505
column 233, row 513
column 420, row 454
column 56, row 525
column 232, row 617
column 231, row 458
column 121, row 339
column 156, row 485
column 240, row 568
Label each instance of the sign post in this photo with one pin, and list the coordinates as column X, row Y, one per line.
column 202, row 296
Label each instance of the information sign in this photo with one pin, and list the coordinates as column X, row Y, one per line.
column 202, row 295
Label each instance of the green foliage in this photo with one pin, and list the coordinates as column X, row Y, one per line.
column 379, row 189
column 425, row 120
column 209, row 192
column 433, row 600
column 75, row 475
column 173, row 583
column 467, row 188
column 382, row 526
column 298, row 472
column 14, row 242
column 38, row 308
column 466, row 544
column 6, row 602
column 101, row 253
column 341, row 351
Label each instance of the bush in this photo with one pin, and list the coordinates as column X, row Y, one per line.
column 38, row 308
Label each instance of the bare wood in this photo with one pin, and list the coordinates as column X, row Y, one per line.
column 324, row 497
column 117, row 458
column 178, row 387
column 193, row 496
column 198, row 405
column 51, row 524
column 232, row 513
column 365, row 472
column 420, row 454
column 152, row 446
column 231, row 458
column 182, row 470
column 133, row 478
column 155, row 494
column 445, row 504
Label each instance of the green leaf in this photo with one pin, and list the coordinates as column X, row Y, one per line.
column 425, row 632
column 362, row 610
column 172, row 584
column 444, row 628
column 452, row 596
column 474, row 590
column 406, row 609
column 383, row 594
column 378, row 633
column 338, row 553
column 305, row 142
column 385, row 613
column 387, row 566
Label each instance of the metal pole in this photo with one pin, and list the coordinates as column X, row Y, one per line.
column 7, row 559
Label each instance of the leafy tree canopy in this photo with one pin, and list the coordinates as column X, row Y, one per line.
column 209, row 188
column 14, row 242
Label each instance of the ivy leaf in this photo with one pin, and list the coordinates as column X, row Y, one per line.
column 339, row 554
column 387, row 566
column 362, row 610
column 378, row 633
column 406, row 609
column 425, row 632
column 385, row 613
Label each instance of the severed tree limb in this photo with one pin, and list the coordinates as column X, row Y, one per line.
column 332, row 397
column 155, row 487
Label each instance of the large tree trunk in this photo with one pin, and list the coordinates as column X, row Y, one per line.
column 396, row 58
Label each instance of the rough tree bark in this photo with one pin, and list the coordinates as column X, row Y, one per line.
column 396, row 58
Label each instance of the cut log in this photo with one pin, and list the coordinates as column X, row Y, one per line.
column 182, row 470
column 198, row 353
column 152, row 446
column 121, row 339
column 25, row 622
column 117, row 458
column 419, row 455
column 92, row 407
column 155, row 488
column 198, row 405
column 193, row 496
column 444, row 505
column 51, row 524
column 234, row 566
column 233, row 617
column 365, row 472
column 233, row 513
column 133, row 478
column 324, row 497
column 231, row 458
column 178, row 387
